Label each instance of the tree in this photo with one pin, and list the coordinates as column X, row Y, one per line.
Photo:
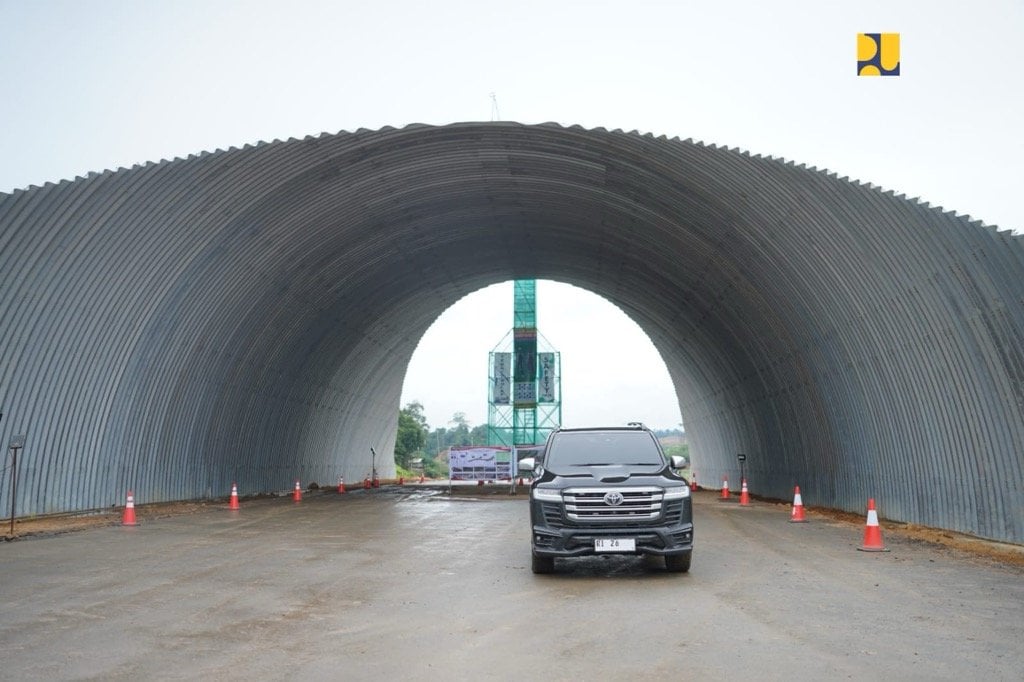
column 412, row 433
column 415, row 410
column 460, row 434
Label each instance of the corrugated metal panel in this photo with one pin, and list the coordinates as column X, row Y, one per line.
column 248, row 314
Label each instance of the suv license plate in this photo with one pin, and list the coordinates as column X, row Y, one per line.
column 614, row 545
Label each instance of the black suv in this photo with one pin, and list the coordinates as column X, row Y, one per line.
column 608, row 491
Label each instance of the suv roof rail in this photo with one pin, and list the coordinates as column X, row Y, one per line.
column 638, row 426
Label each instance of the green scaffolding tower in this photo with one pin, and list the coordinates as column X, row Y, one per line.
column 525, row 378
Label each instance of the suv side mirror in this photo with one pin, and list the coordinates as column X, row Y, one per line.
column 527, row 464
column 679, row 462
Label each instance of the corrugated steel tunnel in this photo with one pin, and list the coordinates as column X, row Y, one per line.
column 249, row 314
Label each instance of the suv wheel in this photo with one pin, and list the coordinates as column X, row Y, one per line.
column 678, row 563
column 543, row 564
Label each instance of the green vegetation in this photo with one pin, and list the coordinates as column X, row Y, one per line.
column 415, row 440
column 434, row 468
column 407, row 474
column 461, row 433
column 680, row 449
column 412, row 434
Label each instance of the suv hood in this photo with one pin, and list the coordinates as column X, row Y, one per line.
column 607, row 473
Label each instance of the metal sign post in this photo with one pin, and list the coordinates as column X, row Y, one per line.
column 513, row 469
column 742, row 458
column 17, row 443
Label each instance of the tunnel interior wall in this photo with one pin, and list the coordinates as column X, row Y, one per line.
column 248, row 315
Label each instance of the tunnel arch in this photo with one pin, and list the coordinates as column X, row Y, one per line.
column 248, row 314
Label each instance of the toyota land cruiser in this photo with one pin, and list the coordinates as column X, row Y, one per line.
column 608, row 491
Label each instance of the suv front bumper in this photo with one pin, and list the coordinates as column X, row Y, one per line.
column 579, row 540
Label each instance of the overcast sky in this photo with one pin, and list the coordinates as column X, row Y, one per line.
column 96, row 84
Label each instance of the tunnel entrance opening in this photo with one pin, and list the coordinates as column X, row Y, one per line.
column 614, row 373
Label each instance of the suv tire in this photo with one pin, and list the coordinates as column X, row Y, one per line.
column 678, row 563
column 543, row 564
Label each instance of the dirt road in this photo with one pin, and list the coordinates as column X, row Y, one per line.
column 403, row 585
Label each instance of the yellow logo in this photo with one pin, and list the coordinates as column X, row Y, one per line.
column 878, row 54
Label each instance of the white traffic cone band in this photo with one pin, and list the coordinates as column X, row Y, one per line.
column 872, row 517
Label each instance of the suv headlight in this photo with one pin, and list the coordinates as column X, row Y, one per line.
column 546, row 495
column 677, row 493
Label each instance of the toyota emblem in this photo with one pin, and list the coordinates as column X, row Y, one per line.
column 613, row 499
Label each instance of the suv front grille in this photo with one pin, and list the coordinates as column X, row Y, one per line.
column 591, row 505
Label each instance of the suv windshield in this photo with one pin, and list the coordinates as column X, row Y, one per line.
column 602, row 448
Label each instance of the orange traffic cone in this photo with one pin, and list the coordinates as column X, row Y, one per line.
column 421, row 478
column 401, row 480
column 233, row 502
column 744, row 494
column 297, row 494
column 798, row 508
column 872, row 531
column 366, row 483
column 693, row 482
column 725, row 489
column 520, row 482
column 341, row 484
column 480, row 482
column 376, row 482
column 129, row 511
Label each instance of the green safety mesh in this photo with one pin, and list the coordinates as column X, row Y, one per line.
column 525, row 304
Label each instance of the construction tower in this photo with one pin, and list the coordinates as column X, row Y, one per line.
column 525, row 389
